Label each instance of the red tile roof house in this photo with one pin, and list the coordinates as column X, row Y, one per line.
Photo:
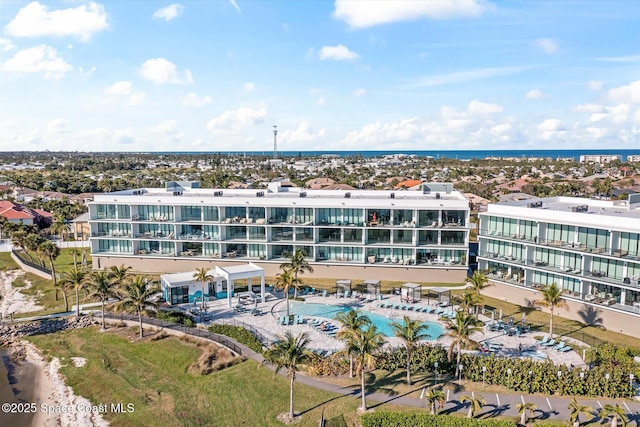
column 19, row 214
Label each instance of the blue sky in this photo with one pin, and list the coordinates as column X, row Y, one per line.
column 343, row 75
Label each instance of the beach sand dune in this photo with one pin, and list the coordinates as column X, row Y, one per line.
column 13, row 301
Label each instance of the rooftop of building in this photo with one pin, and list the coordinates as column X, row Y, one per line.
column 276, row 194
column 575, row 210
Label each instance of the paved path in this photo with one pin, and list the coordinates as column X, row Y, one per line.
column 553, row 407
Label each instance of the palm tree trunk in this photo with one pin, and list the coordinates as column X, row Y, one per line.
column 66, row 303
column 103, row 325
column 364, row 397
column 551, row 324
column 408, row 367
column 470, row 413
column 291, row 414
column 140, row 318
column 458, row 359
column 614, row 421
column 351, row 366
column 203, row 296
column 523, row 418
column 286, row 300
column 77, row 301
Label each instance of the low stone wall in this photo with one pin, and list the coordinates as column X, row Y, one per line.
column 10, row 332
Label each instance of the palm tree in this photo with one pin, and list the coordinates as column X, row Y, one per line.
column 614, row 411
column 552, row 298
column 202, row 275
column 102, row 288
column 118, row 274
column 297, row 264
column 524, row 409
column 460, row 329
column 411, row 332
column 576, row 409
column 285, row 281
column 63, row 286
column 289, row 352
column 136, row 296
column 60, row 227
column 75, row 252
column 365, row 342
column 468, row 300
column 475, row 404
column 51, row 251
column 478, row 282
column 75, row 279
column 31, row 243
column 17, row 238
column 352, row 321
column 435, row 399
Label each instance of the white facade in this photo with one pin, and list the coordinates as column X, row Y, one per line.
column 599, row 158
column 590, row 248
column 412, row 229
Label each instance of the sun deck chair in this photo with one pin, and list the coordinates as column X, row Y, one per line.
column 550, row 343
column 565, row 349
column 543, row 341
column 324, row 292
column 560, row 345
column 280, row 320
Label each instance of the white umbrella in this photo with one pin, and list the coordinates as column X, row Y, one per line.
column 493, row 316
column 524, row 317
column 500, row 316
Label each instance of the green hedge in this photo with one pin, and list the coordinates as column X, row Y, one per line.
column 422, row 359
column 401, row 419
column 542, row 377
column 239, row 334
column 176, row 317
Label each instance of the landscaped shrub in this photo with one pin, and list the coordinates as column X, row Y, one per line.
column 239, row 334
column 174, row 316
column 423, row 359
column 401, row 419
column 542, row 377
column 329, row 366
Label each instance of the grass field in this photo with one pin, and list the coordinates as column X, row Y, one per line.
column 153, row 376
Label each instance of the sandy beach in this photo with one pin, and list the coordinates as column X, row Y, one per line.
column 27, row 378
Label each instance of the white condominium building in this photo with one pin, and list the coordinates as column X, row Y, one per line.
column 599, row 158
column 589, row 248
column 391, row 235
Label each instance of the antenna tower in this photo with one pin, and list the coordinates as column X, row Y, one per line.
column 275, row 141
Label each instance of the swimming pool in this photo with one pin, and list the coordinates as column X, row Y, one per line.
column 383, row 323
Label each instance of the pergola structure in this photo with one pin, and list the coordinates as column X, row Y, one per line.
column 411, row 292
column 439, row 291
column 372, row 286
column 343, row 285
column 239, row 272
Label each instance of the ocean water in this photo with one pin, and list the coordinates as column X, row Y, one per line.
column 454, row 154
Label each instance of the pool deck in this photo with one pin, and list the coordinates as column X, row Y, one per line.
column 266, row 324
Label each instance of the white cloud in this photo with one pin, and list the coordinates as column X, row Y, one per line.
column 536, row 94
column 379, row 132
column 362, row 14
column 39, row 59
column 35, row 20
column 360, row 92
column 166, row 127
column 235, row 6
column 595, row 85
column 193, row 100
column 160, row 70
column 303, row 133
column 466, row 76
column 477, row 107
column 6, row 45
column 58, row 126
column 337, row 53
column 547, row 45
column 249, row 86
column 551, row 125
column 170, row 12
column 122, row 87
column 625, row 94
column 137, row 98
column 321, row 101
column 589, row 107
column 89, row 72
column 235, row 120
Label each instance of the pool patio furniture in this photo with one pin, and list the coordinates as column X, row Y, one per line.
column 549, row 343
column 566, row 349
column 560, row 345
column 544, row 340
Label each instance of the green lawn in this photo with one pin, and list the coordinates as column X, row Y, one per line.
column 6, row 262
column 153, row 376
